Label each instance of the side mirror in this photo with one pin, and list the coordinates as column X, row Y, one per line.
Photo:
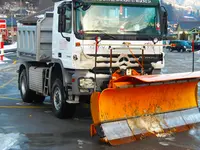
column 63, row 21
column 61, row 10
column 86, row 7
column 164, row 19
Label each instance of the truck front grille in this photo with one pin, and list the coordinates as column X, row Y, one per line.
column 128, row 61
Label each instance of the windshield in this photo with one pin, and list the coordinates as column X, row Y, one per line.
column 118, row 19
column 186, row 43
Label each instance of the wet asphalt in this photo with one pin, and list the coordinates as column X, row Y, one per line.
column 32, row 127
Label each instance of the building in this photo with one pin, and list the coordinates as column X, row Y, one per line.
column 43, row 4
column 190, row 29
column 11, row 29
column 32, row 19
column 20, row 13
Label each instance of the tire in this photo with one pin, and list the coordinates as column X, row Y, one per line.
column 28, row 95
column 25, row 92
column 61, row 108
column 181, row 50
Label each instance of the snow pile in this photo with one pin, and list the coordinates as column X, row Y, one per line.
column 195, row 132
column 4, row 59
column 2, row 62
column 10, row 47
column 12, row 140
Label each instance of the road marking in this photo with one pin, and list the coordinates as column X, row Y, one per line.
column 3, row 95
column 26, row 107
column 14, row 62
column 5, row 84
column 10, row 98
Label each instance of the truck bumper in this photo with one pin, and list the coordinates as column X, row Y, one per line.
column 83, row 82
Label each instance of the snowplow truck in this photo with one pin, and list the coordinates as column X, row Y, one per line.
column 108, row 53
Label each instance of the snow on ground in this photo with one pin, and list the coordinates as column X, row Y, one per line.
column 7, row 50
column 4, row 61
column 10, row 47
column 11, row 141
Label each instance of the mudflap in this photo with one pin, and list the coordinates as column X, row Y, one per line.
column 139, row 106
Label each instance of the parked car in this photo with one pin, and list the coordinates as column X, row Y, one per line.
column 197, row 45
column 7, row 42
column 180, row 46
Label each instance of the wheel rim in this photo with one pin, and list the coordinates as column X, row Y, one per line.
column 23, row 85
column 57, row 98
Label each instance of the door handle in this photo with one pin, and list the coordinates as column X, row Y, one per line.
column 59, row 55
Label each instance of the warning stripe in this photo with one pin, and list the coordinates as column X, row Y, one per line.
column 2, row 21
column 1, row 45
column 2, row 26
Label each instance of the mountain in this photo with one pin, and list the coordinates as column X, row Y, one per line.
column 9, row 6
column 184, row 4
column 182, row 10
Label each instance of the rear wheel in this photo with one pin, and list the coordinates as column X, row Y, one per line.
column 61, row 108
column 28, row 95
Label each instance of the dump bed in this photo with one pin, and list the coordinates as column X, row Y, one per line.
column 35, row 39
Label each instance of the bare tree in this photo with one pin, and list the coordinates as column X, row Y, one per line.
column 45, row 4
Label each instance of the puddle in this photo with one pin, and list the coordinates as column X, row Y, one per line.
column 47, row 140
column 164, row 143
column 23, row 104
column 3, row 115
column 170, row 138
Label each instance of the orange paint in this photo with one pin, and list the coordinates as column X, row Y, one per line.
column 116, row 104
column 121, row 102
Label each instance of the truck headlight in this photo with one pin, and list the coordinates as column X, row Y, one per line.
column 155, row 40
column 86, row 83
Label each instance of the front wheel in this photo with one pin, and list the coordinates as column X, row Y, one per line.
column 61, row 108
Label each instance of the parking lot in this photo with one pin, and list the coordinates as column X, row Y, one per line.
column 24, row 126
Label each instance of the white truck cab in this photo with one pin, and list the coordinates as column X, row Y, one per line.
column 74, row 49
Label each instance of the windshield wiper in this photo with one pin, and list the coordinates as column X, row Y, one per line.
column 84, row 6
column 101, row 31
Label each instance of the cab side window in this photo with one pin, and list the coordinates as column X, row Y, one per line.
column 68, row 15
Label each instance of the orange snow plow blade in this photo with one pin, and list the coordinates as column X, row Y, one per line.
column 138, row 106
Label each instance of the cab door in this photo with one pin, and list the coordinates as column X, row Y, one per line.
column 63, row 35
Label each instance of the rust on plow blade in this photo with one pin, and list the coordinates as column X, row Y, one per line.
column 145, row 105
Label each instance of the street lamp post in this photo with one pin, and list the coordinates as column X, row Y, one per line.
column 12, row 26
column 20, row 8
